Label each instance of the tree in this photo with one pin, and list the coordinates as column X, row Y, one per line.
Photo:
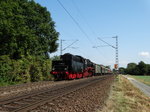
column 122, row 70
column 55, row 57
column 26, row 29
column 131, row 68
column 148, row 69
column 142, row 68
column 27, row 35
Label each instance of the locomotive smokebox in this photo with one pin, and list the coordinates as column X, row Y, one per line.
column 75, row 63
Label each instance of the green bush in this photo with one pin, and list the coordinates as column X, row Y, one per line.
column 27, row 69
column 46, row 68
column 5, row 69
column 21, row 70
column 35, row 72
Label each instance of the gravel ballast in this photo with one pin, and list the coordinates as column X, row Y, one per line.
column 88, row 99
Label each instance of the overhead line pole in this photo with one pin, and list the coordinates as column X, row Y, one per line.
column 117, row 57
column 116, row 54
column 61, row 46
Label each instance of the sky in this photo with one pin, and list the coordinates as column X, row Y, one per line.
column 104, row 19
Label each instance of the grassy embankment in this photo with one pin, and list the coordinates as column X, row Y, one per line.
column 144, row 79
column 124, row 97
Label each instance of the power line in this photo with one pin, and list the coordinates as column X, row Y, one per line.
column 116, row 48
column 62, row 49
column 107, row 43
column 84, row 18
column 100, row 46
column 81, row 29
column 78, row 25
column 91, row 29
column 69, row 45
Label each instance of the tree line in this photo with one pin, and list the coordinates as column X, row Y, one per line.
column 136, row 69
column 27, row 36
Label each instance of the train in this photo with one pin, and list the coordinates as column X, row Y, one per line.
column 75, row 67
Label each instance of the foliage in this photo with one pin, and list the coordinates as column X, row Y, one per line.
column 55, row 57
column 131, row 68
column 26, row 29
column 148, row 69
column 5, row 69
column 27, row 35
column 24, row 70
column 136, row 69
column 122, row 70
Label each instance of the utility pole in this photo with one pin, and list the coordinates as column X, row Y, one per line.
column 117, row 57
column 61, row 46
column 116, row 66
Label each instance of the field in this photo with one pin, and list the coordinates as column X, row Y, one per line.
column 144, row 79
column 124, row 97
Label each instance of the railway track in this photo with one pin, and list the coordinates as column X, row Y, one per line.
column 33, row 100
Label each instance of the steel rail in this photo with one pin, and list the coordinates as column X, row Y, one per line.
column 31, row 101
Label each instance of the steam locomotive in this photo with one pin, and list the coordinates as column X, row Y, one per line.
column 73, row 66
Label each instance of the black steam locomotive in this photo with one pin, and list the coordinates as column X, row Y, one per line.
column 74, row 66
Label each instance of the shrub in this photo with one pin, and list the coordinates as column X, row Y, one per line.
column 46, row 68
column 5, row 69
column 24, row 70
column 35, row 72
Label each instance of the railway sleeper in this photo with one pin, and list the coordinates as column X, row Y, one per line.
column 22, row 103
column 37, row 98
column 43, row 96
column 29, row 100
column 10, row 107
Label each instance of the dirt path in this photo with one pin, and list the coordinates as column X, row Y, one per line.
column 143, row 87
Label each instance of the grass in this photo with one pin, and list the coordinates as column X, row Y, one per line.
column 144, row 79
column 125, row 97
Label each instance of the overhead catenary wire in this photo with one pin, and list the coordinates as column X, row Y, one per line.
column 69, row 45
column 84, row 19
column 107, row 43
column 78, row 25
column 116, row 48
column 89, row 26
